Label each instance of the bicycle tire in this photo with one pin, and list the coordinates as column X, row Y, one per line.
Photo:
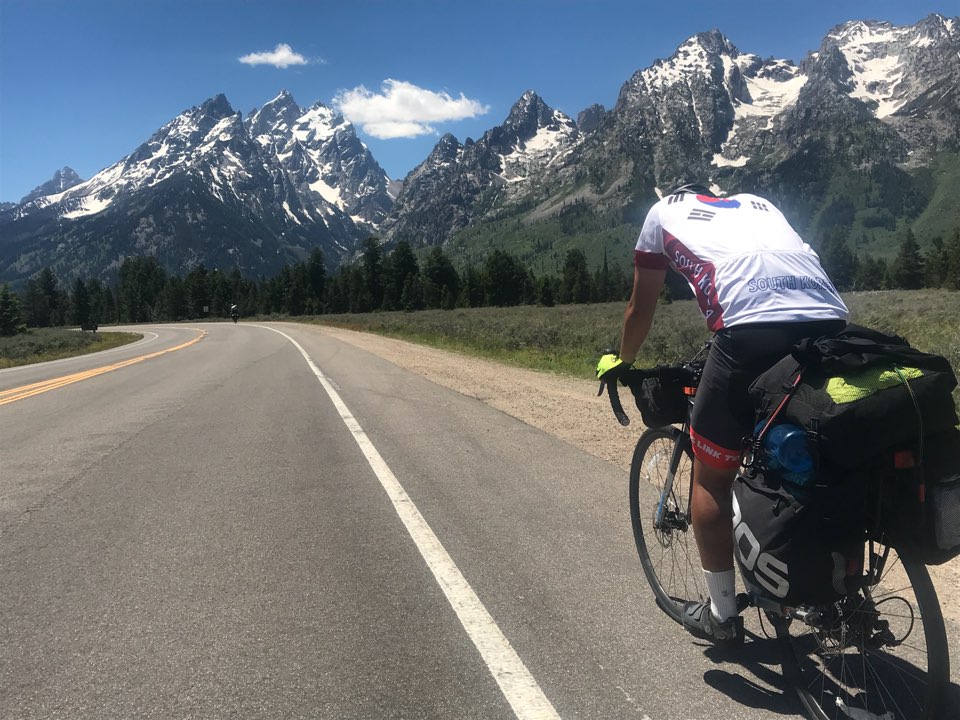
column 668, row 555
column 908, row 680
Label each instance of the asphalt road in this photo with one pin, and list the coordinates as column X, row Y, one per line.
column 216, row 531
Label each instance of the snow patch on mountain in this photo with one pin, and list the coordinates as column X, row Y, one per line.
column 691, row 58
column 772, row 87
column 549, row 145
column 89, row 205
column 870, row 50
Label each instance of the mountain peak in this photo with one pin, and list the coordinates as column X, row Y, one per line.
column 715, row 42
column 529, row 114
column 62, row 180
column 218, row 107
column 280, row 113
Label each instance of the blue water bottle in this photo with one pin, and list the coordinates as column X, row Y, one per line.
column 787, row 450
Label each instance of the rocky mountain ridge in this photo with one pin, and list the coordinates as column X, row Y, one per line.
column 850, row 141
column 208, row 187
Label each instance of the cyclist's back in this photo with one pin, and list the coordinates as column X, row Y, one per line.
column 743, row 260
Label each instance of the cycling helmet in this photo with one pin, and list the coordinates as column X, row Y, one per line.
column 695, row 188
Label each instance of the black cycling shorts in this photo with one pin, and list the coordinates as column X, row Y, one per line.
column 723, row 413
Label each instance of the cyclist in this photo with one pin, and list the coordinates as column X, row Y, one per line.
column 761, row 288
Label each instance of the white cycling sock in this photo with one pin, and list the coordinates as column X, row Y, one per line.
column 723, row 595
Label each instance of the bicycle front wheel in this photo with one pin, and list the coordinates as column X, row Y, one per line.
column 661, row 481
column 881, row 653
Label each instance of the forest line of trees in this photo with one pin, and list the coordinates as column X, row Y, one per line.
column 145, row 292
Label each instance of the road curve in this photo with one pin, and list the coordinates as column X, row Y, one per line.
column 215, row 532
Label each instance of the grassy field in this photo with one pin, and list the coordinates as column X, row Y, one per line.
column 568, row 339
column 42, row 344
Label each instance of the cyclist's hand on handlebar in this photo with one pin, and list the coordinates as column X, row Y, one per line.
column 611, row 368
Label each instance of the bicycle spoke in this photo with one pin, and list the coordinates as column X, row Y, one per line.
column 876, row 655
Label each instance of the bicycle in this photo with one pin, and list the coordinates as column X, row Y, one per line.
column 860, row 658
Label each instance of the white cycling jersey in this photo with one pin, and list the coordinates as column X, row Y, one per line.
column 744, row 261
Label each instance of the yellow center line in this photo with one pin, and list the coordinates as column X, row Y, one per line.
column 25, row 391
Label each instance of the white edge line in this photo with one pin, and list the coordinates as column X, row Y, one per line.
column 517, row 684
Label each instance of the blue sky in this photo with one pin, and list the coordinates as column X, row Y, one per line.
column 84, row 82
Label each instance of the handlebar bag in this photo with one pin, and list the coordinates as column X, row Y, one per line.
column 660, row 401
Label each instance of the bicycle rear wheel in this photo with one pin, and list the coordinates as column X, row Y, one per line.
column 668, row 551
column 881, row 654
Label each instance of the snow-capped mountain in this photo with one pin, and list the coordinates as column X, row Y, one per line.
column 323, row 158
column 909, row 77
column 459, row 184
column 208, row 187
column 874, row 100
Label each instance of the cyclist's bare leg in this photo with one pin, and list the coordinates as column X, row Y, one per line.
column 712, row 510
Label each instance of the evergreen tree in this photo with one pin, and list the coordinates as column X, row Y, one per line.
column 11, row 319
column 110, row 313
column 838, row 260
column 472, row 290
column 358, row 291
column 316, row 279
column 336, row 299
column 196, row 287
column 936, row 264
column 397, row 267
column 448, row 301
column 80, row 304
column 621, row 284
column 42, row 300
column 371, row 260
column 35, row 306
column 546, row 293
column 298, row 290
column 603, row 287
column 173, row 299
column 431, row 293
column 576, row 286
column 411, row 297
column 141, row 282
column 439, row 272
column 871, row 274
column 951, row 279
column 907, row 269
column 505, row 279
column 221, row 294
column 55, row 299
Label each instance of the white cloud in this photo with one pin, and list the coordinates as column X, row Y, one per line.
column 402, row 109
column 282, row 56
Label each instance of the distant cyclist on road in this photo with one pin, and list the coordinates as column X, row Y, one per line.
column 761, row 288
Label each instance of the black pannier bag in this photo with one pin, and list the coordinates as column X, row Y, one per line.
column 799, row 546
column 914, row 504
column 860, row 392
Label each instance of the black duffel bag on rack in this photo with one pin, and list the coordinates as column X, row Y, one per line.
column 860, row 392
